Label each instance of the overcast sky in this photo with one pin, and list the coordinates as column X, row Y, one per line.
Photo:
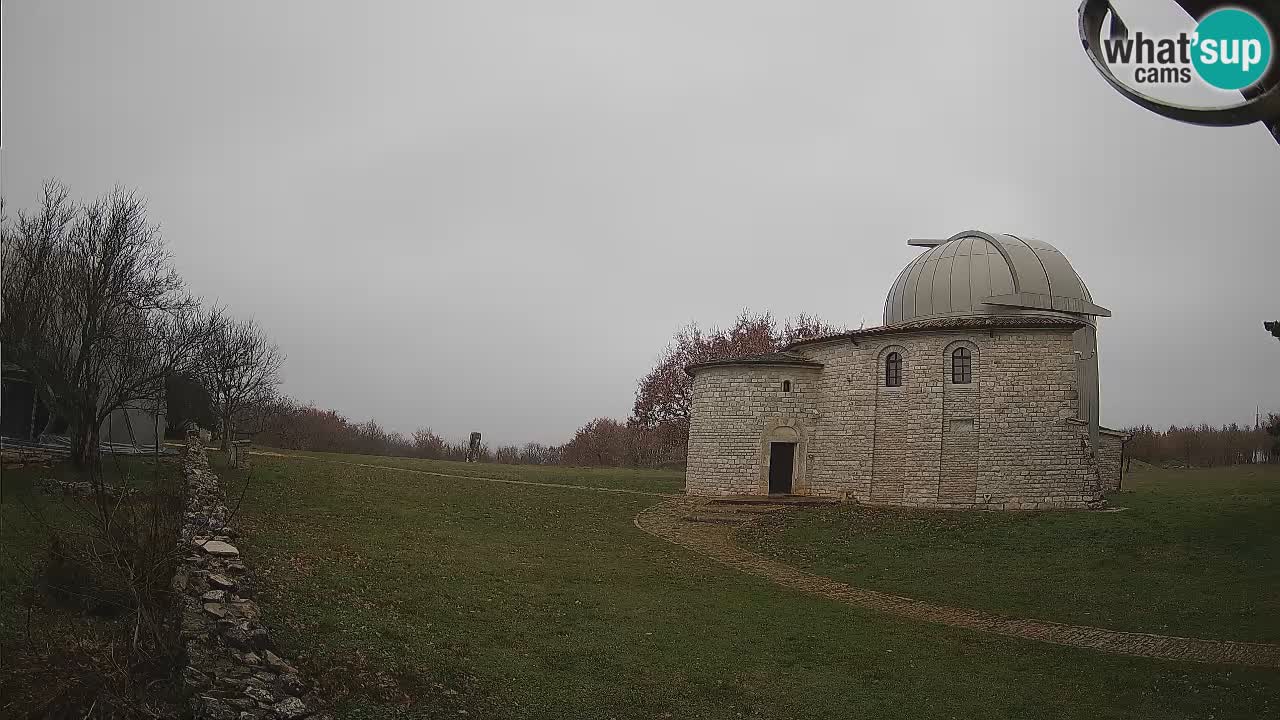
column 493, row 215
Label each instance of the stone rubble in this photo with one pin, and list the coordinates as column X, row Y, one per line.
column 14, row 458
column 232, row 671
column 78, row 488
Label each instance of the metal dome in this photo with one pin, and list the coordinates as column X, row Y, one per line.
column 974, row 273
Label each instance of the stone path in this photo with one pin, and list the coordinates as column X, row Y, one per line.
column 706, row 527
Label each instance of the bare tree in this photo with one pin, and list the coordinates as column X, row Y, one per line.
column 240, row 368
column 93, row 309
column 664, row 396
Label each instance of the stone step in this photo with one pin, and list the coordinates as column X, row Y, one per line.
column 717, row 518
column 775, row 500
column 743, row 509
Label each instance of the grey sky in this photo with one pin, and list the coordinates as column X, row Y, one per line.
column 492, row 216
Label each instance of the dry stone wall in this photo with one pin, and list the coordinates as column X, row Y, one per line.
column 1004, row 441
column 232, row 672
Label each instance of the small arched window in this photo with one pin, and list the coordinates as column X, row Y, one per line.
column 961, row 366
column 893, row 370
column 786, row 386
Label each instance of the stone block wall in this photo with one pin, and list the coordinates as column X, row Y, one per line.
column 737, row 411
column 1111, row 459
column 1033, row 455
column 1004, row 441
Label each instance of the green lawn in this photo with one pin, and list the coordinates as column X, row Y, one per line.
column 1195, row 552
column 419, row 596
column 652, row 481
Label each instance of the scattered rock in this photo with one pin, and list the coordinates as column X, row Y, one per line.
column 275, row 663
column 193, row 678
column 246, row 609
column 221, row 548
column 78, row 488
column 290, row 709
column 260, row 695
column 232, row 671
column 237, row 637
column 221, row 582
column 259, row 638
column 211, row 708
column 292, row 684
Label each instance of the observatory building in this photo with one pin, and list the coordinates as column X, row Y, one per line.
column 980, row 391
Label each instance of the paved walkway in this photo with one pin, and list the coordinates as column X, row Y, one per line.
column 707, row 528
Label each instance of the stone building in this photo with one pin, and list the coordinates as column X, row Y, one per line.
column 979, row 391
column 25, row 417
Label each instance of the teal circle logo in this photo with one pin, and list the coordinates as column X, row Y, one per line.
column 1232, row 49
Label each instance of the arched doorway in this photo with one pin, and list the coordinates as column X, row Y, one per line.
column 783, row 443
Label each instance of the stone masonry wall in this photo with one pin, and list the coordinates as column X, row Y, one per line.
column 232, row 671
column 1000, row 442
column 736, row 412
column 1110, row 459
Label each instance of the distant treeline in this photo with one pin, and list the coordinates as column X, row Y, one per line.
column 657, row 433
column 305, row 427
column 602, row 442
column 1204, row 445
column 605, row 442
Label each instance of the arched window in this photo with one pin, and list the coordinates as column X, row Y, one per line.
column 893, row 370
column 786, row 386
column 961, row 366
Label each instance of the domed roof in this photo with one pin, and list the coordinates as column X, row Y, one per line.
column 974, row 273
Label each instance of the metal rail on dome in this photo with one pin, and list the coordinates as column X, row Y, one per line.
column 1040, row 301
column 1261, row 101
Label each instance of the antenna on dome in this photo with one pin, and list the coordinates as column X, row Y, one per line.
column 924, row 242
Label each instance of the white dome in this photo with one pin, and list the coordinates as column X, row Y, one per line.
column 979, row 274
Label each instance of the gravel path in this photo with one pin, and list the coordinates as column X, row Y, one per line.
column 707, row 528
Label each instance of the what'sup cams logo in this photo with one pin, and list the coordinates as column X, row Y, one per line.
column 1227, row 54
column 1229, row 49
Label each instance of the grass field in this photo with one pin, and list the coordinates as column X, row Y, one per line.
column 63, row 635
column 28, row 518
column 414, row 595
column 652, row 481
column 1194, row 553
